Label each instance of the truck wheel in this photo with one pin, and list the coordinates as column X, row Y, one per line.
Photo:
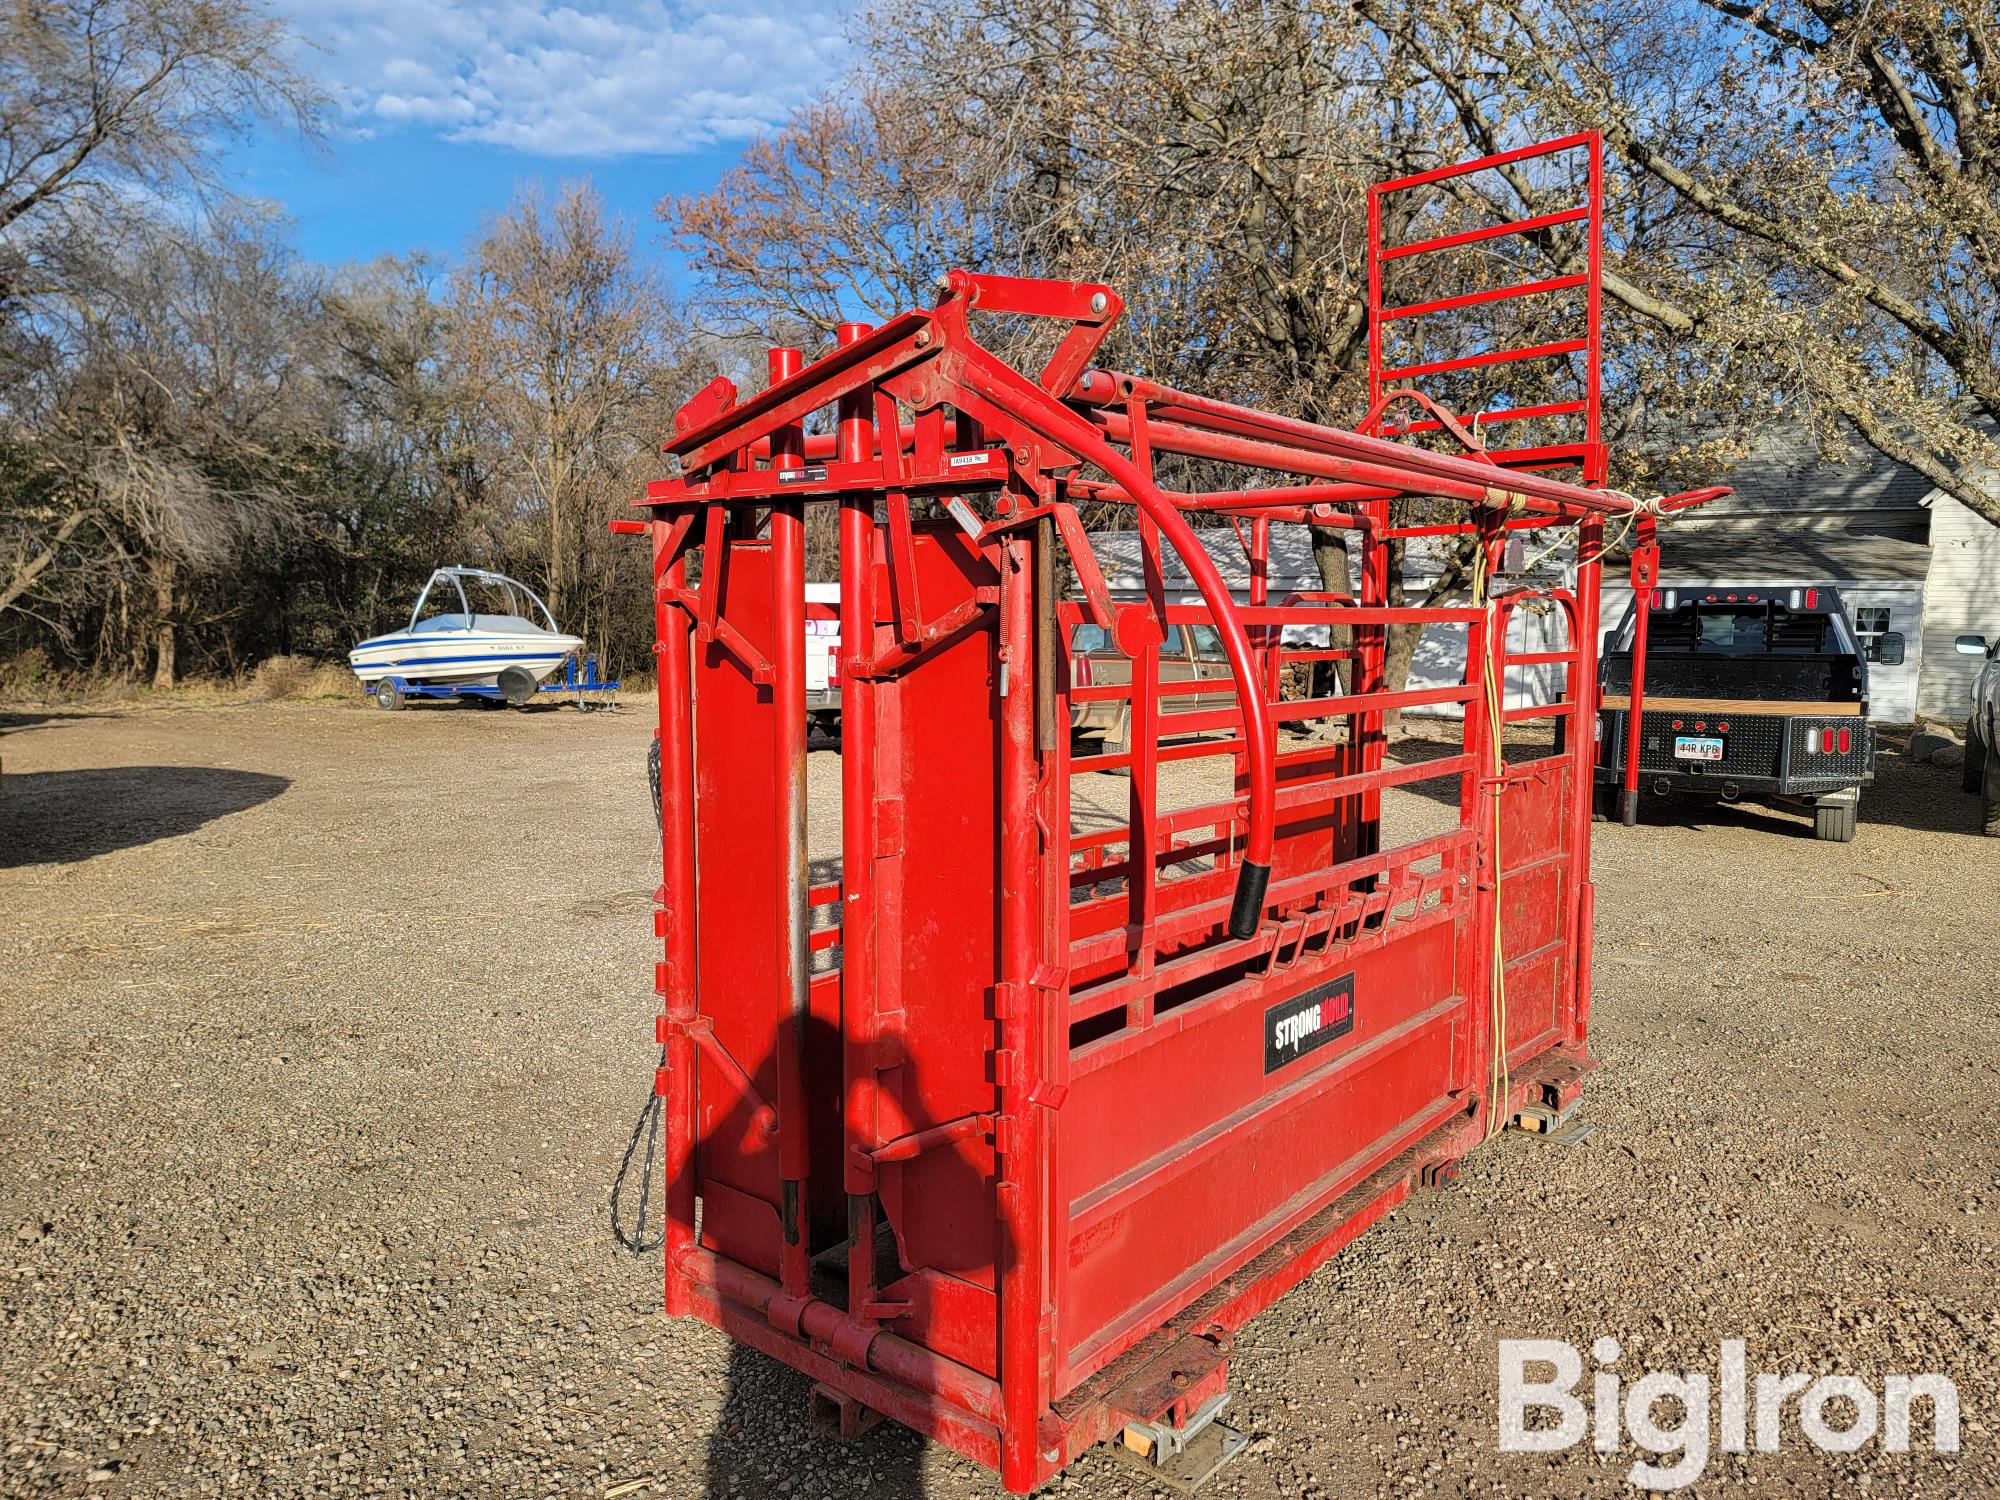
column 1835, row 821
column 1971, row 770
column 1118, row 739
column 1990, row 795
column 1604, row 803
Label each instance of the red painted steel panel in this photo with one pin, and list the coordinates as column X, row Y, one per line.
column 1168, row 1154
column 737, row 938
column 937, row 935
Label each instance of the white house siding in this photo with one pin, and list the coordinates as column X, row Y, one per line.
column 1962, row 597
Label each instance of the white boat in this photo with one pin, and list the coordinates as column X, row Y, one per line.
column 468, row 648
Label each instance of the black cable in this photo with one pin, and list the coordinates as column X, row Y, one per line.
column 648, row 1125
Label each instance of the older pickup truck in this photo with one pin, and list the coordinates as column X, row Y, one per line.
column 1190, row 653
column 1982, row 731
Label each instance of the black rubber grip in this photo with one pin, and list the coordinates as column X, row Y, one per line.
column 1248, row 913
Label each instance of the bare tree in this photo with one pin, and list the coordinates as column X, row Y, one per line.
column 560, row 333
column 1809, row 207
column 107, row 109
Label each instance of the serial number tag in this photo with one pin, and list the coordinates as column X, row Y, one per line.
column 1307, row 1022
column 1697, row 747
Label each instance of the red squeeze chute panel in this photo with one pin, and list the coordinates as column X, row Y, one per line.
column 733, row 812
column 1177, row 1154
column 936, row 945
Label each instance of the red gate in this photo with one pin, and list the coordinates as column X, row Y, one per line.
column 1076, row 1102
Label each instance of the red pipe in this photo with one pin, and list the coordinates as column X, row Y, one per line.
column 1102, row 387
column 1021, row 1193
column 677, row 982
column 858, row 1341
column 788, row 704
column 856, row 436
column 1372, row 481
column 1032, row 407
column 1304, row 499
column 1584, row 755
column 1645, row 573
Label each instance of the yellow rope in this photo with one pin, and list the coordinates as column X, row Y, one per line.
column 1498, row 1079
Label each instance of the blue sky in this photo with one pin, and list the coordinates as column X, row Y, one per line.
column 442, row 107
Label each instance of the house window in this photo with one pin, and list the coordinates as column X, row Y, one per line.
column 1871, row 623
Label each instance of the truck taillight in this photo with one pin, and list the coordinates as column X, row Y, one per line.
column 1844, row 741
column 1079, row 672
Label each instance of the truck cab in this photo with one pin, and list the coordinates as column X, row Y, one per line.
column 1745, row 693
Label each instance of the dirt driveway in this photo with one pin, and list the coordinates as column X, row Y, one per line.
column 321, row 1032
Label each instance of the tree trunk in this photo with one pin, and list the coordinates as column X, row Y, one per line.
column 163, row 639
column 1329, row 546
column 1400, row 646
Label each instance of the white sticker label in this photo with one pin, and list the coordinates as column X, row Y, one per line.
column 967, row 460
column 962, row 513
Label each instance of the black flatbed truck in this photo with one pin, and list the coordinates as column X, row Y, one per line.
column 1746, row 694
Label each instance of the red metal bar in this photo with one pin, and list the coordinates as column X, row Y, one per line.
column 1596, row 466
column 788, row 773
column 1488, row 232
column 1482, row 163
column 1480, row 299
column 1019, row 1262
column 1583, row 751
column 1411, row 470
column 859, row 1025
column 676, row 976
column 917, row 1368
column 1491, row 357
column 1489, row 418
column 1645, row 573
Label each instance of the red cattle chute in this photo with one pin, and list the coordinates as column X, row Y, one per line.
column 1076, row 1103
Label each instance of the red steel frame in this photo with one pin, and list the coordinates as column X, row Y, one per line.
column 1015, row 1170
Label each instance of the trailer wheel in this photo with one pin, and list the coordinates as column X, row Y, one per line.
column 517, row 686
column 1118, row 740
column 1989, row 820
column 1971, row 770
column 388, row 696
column 1836, row 821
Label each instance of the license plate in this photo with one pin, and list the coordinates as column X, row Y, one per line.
column 1697, row 747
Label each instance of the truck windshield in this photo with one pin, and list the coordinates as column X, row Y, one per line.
column 1732, row 630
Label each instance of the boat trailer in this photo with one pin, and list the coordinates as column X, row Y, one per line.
column 1003, row 1129
column 582, row 684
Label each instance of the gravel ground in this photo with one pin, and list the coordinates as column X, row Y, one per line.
column 322, row 1032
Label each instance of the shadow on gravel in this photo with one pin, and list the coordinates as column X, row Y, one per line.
column 58, row 817
column 20, row 718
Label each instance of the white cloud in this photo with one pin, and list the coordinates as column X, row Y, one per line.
column 613, row 78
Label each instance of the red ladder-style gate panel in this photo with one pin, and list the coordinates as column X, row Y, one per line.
column 1004, row 1124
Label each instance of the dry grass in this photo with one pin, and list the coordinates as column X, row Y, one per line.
column 301, row 677
column 28, row 681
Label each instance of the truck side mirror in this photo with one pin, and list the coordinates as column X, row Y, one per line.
column 1970, row 645
column 1889, row 649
